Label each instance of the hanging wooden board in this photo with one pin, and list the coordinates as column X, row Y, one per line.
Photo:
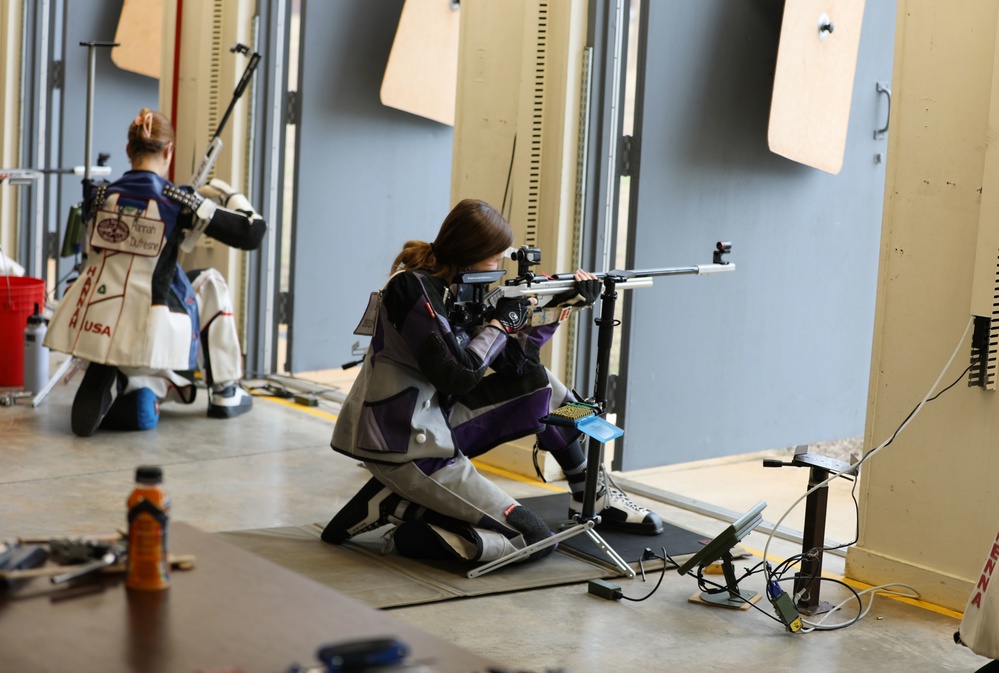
column 422, row 72
column 813, row 81
column 139, row 34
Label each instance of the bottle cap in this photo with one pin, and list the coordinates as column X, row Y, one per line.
column 149, row 474
column 37, row 318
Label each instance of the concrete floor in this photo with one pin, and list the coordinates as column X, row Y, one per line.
column 273, row 467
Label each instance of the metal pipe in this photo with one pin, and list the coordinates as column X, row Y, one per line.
column 91, row 74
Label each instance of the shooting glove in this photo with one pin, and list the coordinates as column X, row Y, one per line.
column 584, row 294
column 513, row 313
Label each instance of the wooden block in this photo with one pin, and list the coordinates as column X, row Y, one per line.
column 422, row 72
column 139, row 33
column 696, row 598
column 813, row 81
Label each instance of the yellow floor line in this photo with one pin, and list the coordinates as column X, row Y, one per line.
column 940, row 610
column 861, row 586
column 482, row 467
column 479, row 465
column 291, row 404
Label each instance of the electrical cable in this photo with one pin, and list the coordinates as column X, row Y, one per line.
column 873, row 452
column 60, row 281
column 820, row 625
column 774, row 576
column 661, row 576
column 509, row 174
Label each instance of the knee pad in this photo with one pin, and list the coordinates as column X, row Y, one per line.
column 136, row 410
column 416, row 539
column 452, row 540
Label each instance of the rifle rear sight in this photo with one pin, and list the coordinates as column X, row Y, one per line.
column 526, row 256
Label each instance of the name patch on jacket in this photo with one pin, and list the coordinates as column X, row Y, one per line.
column 128, row 233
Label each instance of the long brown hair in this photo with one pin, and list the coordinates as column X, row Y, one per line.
column 471, row 232
column 149, row 133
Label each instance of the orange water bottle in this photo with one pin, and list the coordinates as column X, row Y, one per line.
column 148, row 567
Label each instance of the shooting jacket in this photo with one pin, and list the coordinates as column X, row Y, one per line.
column 419, row 367
column 133, row 305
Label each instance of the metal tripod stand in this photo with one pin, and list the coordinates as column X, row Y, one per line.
column 588, row 518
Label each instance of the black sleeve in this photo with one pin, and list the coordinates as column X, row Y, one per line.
column 237, row 229
column 414, row 305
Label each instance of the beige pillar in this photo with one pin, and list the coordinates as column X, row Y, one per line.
column 929, row 502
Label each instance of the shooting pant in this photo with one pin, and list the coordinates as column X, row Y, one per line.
column 454, row 488
column 219, row 356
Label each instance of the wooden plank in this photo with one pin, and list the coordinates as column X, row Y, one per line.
column 422, row 72
column 813, row 81
column 139, row 33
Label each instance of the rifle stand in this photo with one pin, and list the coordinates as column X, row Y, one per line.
column 575, row 528
column 599, row 431
column 814, row 534
column 583, row 523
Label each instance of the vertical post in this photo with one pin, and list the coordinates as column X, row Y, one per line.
column 91, row 76
column 605, row 339
column 813, row 538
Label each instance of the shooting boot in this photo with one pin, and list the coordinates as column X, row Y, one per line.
column 97, row 392
column 373, row 506
column 227, row 400
column 617, row 510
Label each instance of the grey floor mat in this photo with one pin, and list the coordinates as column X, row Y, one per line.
column 360, row 569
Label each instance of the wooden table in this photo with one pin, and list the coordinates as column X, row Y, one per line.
column 232, row 609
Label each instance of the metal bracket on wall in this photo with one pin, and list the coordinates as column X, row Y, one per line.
column 624, row 157
column 610, row 404
column 284, row 308
column 292, row 108
column 57, row 77
column 51, row 245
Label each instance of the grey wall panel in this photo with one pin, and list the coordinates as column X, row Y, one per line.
column 368, row 177
column 777, row 353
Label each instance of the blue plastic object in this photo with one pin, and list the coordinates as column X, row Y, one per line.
column 599, row 428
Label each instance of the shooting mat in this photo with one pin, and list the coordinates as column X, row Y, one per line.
column 360, row 569
column 679, row 542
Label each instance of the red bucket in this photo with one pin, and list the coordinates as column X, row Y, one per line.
column 18, row 296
